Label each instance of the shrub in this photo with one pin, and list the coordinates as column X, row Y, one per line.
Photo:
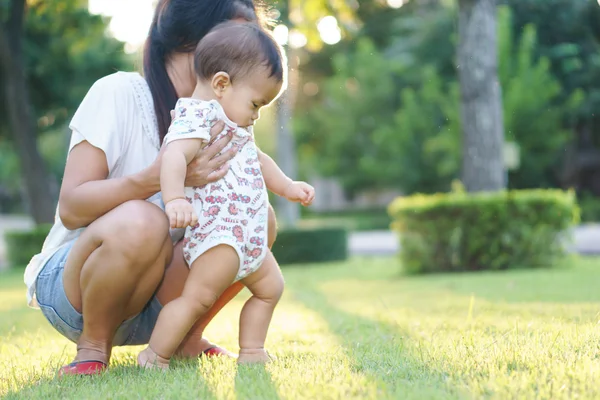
column 311, row 246
column 468, row 232
column 22, row 245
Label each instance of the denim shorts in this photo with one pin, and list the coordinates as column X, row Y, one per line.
column 52, row 300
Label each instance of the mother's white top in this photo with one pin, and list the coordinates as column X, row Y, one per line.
column 117, row 116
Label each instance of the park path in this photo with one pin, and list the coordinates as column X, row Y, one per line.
column 369, row 243
column 586, row 240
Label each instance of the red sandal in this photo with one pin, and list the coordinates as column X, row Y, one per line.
column 89, row 367
column 216, row 351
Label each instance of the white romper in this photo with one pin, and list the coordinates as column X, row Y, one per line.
column 233, row 210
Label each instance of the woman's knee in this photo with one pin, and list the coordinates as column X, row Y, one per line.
column 138, row 230
column 272, row 227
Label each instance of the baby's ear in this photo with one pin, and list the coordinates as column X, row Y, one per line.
column 221, row 82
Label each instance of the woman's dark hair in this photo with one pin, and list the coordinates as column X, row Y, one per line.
column 178, row 26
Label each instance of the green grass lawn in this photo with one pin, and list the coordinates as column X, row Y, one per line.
column 357, row 330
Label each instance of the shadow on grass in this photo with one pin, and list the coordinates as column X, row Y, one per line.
column 254, row 382
column 378, row 351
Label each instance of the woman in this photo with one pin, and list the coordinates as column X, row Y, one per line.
column 109, row 264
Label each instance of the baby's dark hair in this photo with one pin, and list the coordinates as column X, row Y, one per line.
column 238, row 48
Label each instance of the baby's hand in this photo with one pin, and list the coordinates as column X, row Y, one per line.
column 181, row 213
column 300, row 192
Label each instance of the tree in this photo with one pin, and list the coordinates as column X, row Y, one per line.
column 61, row 50
column 38, row 184
column 358, row 100
column 481, row 97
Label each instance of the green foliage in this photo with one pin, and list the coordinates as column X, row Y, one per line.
column 590, row 207
column 9, row 166
column 375, row 138
column 423, row 139
column 22, row 245
column 53, row 147
column 311, row 246
column 569, row 40
column 533, row 110
column 424, row 35
column 487, row 231
column 359, row 99
column 65, row 49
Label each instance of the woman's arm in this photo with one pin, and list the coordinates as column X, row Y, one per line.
column 86, row 194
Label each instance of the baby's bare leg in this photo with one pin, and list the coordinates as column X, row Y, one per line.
column 266, row 285
column 210, row 275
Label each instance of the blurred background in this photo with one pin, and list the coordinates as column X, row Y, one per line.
column 441, row 136
column 387, row 98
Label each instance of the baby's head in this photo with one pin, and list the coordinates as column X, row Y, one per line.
column 242, row 66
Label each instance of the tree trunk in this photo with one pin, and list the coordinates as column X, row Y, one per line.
column 288, row 213
column 481, row 99
column 40, row 189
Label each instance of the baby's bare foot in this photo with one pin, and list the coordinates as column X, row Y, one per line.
column 149, row 359
column 253, row 356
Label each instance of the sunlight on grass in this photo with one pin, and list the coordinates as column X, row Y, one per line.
column 356, row 330
column 308, row 363
column 520, row 343
column 298, row 340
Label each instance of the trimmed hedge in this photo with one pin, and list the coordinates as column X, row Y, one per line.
column 485, row 231
column 22, row 245
column 311, row 246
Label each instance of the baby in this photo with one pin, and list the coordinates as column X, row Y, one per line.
column 239, row 69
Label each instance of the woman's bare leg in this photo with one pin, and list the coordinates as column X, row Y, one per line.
column 177, row 272
column 112, row 271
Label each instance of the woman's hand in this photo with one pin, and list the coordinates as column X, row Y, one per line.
column 210, row 165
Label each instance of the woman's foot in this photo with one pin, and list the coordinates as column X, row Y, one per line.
column 90, row 367
column 149, row 359
column 92, row 358
column 253, row 356
column 92, row 350
column 201, row 348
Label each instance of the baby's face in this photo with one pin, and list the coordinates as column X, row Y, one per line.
column 246, row 96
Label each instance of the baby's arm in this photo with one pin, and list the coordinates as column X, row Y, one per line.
column 275, row 179
column 173, row 167
column 280, row 184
